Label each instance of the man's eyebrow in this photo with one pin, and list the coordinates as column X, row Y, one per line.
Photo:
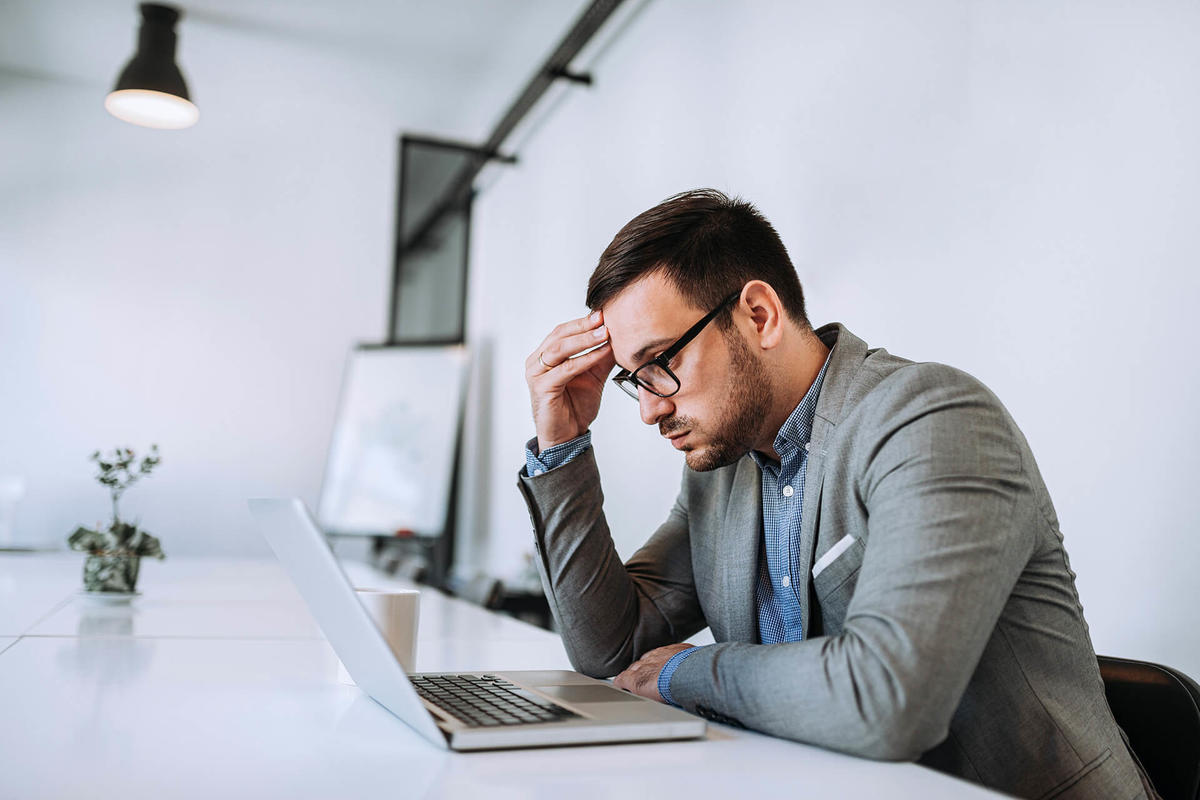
column 639, row 357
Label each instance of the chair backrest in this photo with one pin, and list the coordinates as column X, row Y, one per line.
column 1159, row 710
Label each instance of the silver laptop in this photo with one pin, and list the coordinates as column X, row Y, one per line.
column 462, row 711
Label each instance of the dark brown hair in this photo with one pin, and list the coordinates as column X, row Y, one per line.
column 706, row 245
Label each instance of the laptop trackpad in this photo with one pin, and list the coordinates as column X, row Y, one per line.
column 584, row 693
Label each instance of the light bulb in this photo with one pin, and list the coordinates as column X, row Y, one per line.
column 152, row 109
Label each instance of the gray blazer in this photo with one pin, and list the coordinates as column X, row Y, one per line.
column 940, row 613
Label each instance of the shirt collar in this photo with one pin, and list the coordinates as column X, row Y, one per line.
column 797, row 429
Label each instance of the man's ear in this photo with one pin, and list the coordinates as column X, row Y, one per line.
column 765, row 312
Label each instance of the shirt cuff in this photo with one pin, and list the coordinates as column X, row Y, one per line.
column 664, row 677
column 539, row 463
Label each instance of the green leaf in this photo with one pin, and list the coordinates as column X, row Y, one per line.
column 149, row 546
column 87, row 540
column 123, row 533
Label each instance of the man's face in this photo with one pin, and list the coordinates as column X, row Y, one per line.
column 717, row 415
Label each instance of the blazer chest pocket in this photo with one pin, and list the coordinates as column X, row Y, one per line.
column 835, row 574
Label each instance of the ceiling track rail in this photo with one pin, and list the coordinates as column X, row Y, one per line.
column 556, row 68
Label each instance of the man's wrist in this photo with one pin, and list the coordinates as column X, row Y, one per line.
column 542, row 445
column 668, row 670
column 538, row 462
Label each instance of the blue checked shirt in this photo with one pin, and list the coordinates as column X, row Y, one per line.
column 779, row 577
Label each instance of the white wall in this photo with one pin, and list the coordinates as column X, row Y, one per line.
column 1010, row 188
column 201, row 288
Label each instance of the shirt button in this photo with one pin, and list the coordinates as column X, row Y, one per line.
column 787, row 581
column 788, row 491
column 537, row 472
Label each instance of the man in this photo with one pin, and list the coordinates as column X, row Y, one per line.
column 868, row 538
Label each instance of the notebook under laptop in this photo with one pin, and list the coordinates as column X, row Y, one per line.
column 462, row 711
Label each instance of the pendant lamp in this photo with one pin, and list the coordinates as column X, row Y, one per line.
column 151, row 90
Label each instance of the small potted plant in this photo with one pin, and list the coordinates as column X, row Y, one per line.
column 115, row 552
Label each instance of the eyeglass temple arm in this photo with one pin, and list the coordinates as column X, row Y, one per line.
column 682, row 341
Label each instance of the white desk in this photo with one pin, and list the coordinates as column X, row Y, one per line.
column 216, row 683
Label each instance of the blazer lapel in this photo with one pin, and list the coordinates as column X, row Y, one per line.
column 741, row 538
column 848, row 355
column 813, row 479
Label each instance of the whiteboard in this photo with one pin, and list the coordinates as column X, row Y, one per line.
column 391, row 457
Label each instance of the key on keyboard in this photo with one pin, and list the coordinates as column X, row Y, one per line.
column 487, row 701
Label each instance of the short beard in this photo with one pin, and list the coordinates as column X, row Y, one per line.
column 748, row 400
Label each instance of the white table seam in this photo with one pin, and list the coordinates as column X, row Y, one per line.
column 54, row 610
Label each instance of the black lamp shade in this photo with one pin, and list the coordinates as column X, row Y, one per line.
column 151, row 90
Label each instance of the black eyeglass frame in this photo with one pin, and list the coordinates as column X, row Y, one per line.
column 625, row 378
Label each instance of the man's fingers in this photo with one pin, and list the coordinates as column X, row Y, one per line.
column 560, row 350
column 557, row 351
column 627, row 680
column 576, row 325
column 640, row 678
column 566, row 378
column 561, row 374
column 551, row 351
column 601, row 368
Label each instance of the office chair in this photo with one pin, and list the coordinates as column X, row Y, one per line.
column 1159, row 710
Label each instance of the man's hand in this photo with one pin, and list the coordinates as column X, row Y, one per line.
column 641, row 677
column 565, row 391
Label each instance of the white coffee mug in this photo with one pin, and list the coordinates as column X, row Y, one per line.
column 395, row 612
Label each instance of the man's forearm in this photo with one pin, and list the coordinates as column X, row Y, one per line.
column 608, row 614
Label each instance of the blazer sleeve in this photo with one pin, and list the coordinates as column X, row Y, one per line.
column 609, row 613
column 944, row 491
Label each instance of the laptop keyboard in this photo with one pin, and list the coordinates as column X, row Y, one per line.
column 487, row 701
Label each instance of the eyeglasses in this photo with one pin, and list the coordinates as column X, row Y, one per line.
column 654, row 376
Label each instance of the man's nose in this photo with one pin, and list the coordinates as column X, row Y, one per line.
column 653, row 408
